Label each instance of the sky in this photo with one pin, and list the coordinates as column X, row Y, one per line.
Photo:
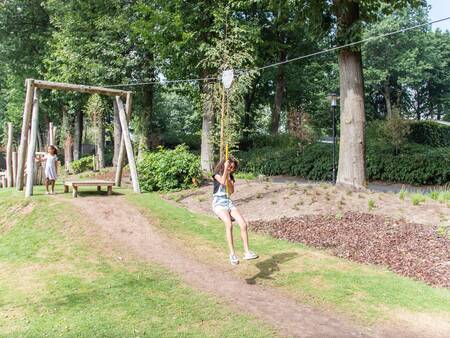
column 440, row 9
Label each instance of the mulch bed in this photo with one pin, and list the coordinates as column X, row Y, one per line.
column 410, row 249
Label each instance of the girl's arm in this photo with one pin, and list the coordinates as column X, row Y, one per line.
column 230, row 186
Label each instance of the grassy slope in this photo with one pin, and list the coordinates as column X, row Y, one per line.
column 364, row 292
column 52, row 283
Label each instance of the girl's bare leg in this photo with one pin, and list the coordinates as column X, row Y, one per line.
column 243, row 225
column 53, row 186
column 225, row 217
column 46, row 184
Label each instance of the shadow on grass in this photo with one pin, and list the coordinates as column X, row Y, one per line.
column 270, row 266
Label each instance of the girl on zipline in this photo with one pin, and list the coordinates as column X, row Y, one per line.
column 224, row 208
column 50, row 168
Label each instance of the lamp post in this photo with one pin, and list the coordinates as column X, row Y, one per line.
column 333, row 100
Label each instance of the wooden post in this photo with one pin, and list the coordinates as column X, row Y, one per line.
column 128, row 145
column 121, row 156
column 24, row 135
column 14, row 167
column 9, row 171
column 51, row 137
column 32, row 147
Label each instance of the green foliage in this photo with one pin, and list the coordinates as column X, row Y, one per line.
column 430, row 133
column 82, row 165
column 415, row 164
column 371, row 204
column 417, row 199
column 395, row 131
column 169, row 169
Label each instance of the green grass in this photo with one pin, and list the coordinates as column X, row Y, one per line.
column 417, row 198
column 364, row 292
column 55, row 282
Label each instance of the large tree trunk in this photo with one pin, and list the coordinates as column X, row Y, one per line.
column 207, row 150
column 351, row 170
column 77, row 135
column 279, row 90
column 66, row 136
column 145, row 120
column 117, row 134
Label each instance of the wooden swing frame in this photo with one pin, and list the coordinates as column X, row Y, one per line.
column 31, row 117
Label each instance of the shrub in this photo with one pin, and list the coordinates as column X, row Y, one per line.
column 430, row 133
column 416, row 164
column 169, row 169
column 81, row 165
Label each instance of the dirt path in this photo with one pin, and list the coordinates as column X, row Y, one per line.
column 123, row 225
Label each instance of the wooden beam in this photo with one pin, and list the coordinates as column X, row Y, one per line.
column 79, row 88
column 128, row 145
column 121, row 157
column 24, row 135
column 14, row 167
column 32, row 146
column 9, row 171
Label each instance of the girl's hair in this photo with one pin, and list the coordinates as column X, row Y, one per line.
column 54, row 149
column 221, row 165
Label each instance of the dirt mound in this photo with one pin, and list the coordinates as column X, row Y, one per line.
column 410, row 249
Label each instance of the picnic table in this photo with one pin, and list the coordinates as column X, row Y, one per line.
column 87, row 183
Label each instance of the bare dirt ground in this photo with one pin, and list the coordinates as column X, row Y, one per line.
column 271, row 201
column 122, row 226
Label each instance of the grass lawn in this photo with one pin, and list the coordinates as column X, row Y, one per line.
column 53, row 283
column 367, row 293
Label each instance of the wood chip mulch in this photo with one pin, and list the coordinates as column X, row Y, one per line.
column 409, row 249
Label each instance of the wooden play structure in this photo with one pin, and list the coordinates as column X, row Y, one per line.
column 27, row 147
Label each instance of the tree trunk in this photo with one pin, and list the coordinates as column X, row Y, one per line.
column 351, row 170
column 100, row 144
column 207, row 150
column 145, row 120
column 279, row 90
column 77, row 135
column 387, row 98
column 117, row 134
column 66, row 135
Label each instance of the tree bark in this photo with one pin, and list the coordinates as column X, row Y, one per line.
column 387, row 98
column 145, row 120
column 77, row 135
column 351, row 169
column 279, row 90
column 207, row 148
column 117, row 134
column 66, row 135
column 100, row 144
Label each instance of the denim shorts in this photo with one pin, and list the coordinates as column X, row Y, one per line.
column 222, row 203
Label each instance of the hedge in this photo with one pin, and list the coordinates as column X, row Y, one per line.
column 430, row 133
column 414, row 165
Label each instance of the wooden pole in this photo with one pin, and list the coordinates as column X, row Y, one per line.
column 9, row 171
column 14, row 167
column 51, row 137
column 128, row 145
column 32, row 147
column 54, row 135
column 121, row 157
column 24, row 135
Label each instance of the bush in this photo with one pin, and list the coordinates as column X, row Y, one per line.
column 430, row 133
column 416, row 164
column 169, row 169
column 81, row 165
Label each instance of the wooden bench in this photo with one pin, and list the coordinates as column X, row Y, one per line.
column 88, row 183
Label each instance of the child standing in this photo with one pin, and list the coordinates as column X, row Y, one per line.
column 50, row 168
column 224, row 208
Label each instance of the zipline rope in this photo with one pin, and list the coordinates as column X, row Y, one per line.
column 241, row 72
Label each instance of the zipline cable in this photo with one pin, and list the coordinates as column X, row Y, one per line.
column 323, row 51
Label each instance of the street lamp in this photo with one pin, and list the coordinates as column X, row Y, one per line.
column 333, row 100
